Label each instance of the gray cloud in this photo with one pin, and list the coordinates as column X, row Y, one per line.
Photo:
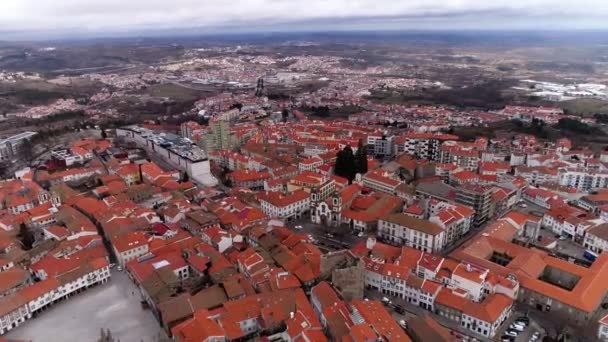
column 120, row 16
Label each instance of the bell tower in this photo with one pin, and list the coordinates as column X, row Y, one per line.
column 336, row 209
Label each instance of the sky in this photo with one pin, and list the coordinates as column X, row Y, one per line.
column 119, row 17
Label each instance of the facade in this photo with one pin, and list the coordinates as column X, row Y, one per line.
column 406, row 230
column 11, row 146
column 173, row 149
column 378, row 180
column 289, row 206
column 479, row 198
column 583, row 179
column 130, row 247
column 596, row 238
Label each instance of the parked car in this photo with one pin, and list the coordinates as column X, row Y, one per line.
column 360, row 234
column 403, row 324
column 507, row 338
column 524, row 319
column 399, row 309
column 511, row 333
column 385, row 300
column 298, row 227
column 517, row 327
column 119, row 268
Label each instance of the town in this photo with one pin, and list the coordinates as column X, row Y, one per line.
column 237, row 194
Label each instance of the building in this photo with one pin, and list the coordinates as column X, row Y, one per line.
column 220, row 137
column 289, row 206
column 379, row 180
column 425, row 145
column 173, row 149
column 596, row 238
column 130, row 246
column 406, row 230
column 456, row 220
column 584, row 179
column 477, row 197
column 11, row 146
column 383, row 146
column 602, row 330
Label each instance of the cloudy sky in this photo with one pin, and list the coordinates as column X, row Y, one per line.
column 124, row 16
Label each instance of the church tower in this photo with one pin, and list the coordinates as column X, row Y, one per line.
column 336, row 209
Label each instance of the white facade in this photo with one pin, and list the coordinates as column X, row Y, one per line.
column 410, row 237
column 130, row 254
column 291, row 210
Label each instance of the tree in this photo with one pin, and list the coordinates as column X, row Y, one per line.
column 27, row 151
column 361, row 158
column 26, row 236
column 345, row 164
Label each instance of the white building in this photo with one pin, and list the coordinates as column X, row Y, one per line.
column 175, row 150
column 406, row 230
column 130, row 246
column 596, row 238
column 286, row 206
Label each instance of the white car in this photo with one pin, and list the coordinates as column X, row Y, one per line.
column 385, row 300
column 403, row 324
column 298, row 227
column 511, row 333
column 516, row 327
column 360, row 234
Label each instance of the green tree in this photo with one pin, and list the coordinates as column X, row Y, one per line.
column 345, row 164
column 26, row 236
column 361, row 158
